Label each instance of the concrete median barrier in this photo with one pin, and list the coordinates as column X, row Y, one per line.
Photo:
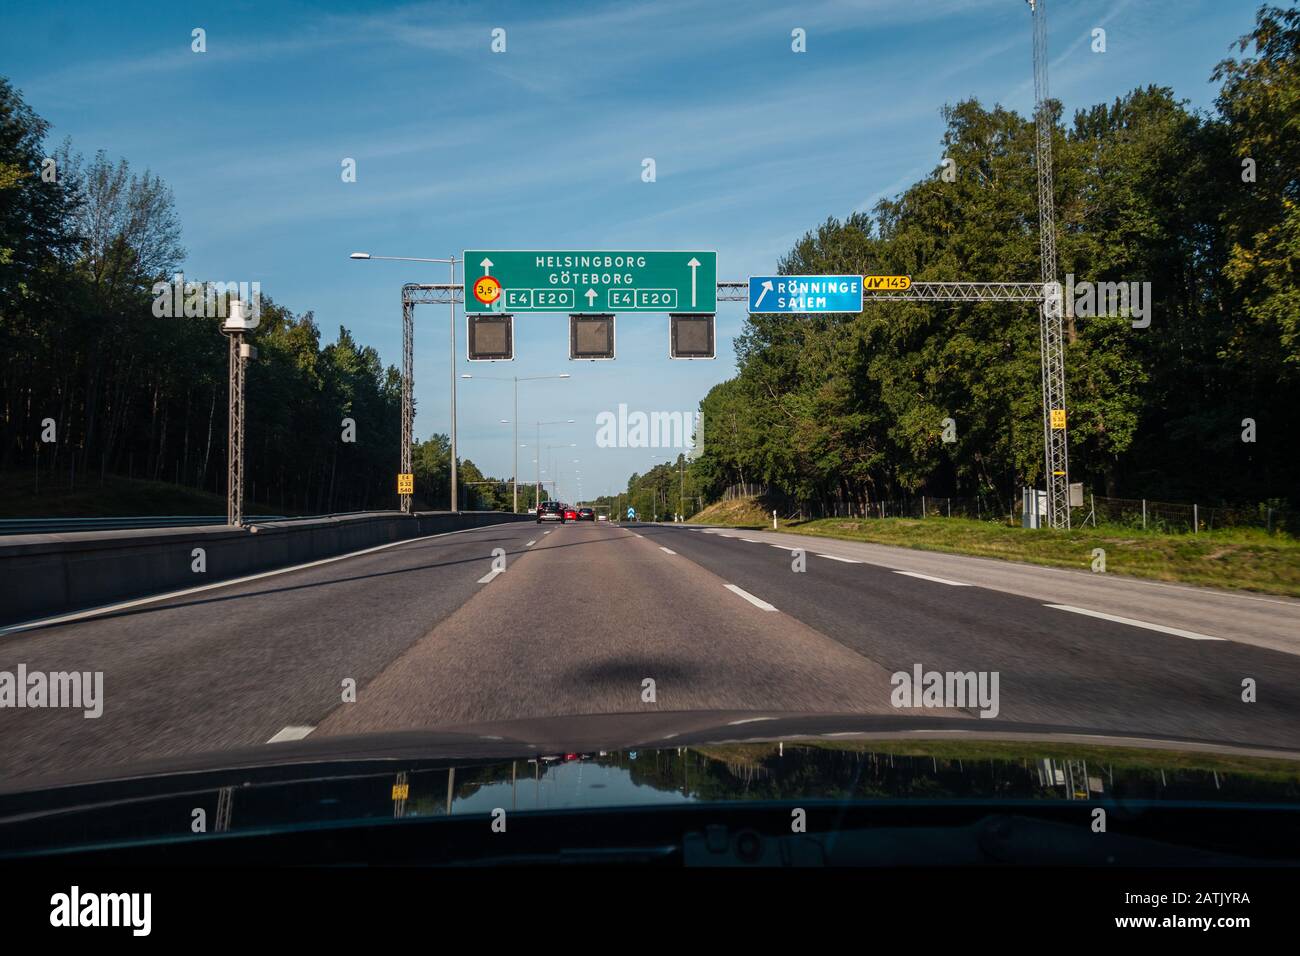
column 42, row 575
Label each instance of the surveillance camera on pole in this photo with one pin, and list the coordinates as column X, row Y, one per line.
column 239, row 318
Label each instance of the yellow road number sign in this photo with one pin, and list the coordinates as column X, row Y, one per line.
column 401, row 791
column 406, row 484
column 886, row 283
column 1058, row 418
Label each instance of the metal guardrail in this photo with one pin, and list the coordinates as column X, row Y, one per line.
column 57, row 525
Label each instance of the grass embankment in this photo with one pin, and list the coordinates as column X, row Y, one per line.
column 1246, row 559
column 116, row 497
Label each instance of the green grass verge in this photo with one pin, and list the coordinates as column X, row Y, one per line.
column 1244, row 559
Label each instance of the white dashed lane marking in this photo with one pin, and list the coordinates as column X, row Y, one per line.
column 927, row 577
column 290, row 733
column 1176, row 631
column 757, row 602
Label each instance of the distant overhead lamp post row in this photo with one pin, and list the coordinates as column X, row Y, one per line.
column 516, row 379
column 554, row 472
column 537, row 461
column 408, row 375
column 554, row 477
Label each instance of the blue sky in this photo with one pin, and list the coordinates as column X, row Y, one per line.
column 458, row 147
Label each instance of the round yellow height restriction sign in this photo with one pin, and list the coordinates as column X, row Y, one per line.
column 487, row 290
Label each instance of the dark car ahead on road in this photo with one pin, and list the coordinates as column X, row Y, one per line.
column 551, row 511
column 586, row 514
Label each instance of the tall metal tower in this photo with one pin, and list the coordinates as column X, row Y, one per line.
column 408, row 387
column 1052, row 327
column 235, row 432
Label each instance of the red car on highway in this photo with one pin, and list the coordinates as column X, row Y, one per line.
column 570, row 514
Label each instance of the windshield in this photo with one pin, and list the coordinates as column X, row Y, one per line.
column 504, row 382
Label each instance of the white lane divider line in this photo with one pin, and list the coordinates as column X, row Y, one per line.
column 666, row 550
column 290, row 733
column 757, row 602
column 530, row 544
column 837, row 558
column 927, row 577
column 1176, row 631
column 748, row 720
column 487, row 578
column 546, row 532
column 784, row 547
column 753, row 540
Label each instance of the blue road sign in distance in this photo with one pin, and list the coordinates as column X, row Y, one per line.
column 805, row 294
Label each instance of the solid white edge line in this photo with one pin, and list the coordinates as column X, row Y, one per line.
column 930, row 577
column 837, row 558
column 753, row 541
column 1176, row 631
column 748, row 720
column 290, row 733
column 103, row 609
column 666, row 550
column 757, row 602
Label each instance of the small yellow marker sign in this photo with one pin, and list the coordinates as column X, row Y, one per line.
column 886, row 283
column 401, row 791
column 406, row 484
column 1058, row 419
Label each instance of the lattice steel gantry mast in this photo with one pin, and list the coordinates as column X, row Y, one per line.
column 1051, row 310
column 408, row 388
column 235, row 432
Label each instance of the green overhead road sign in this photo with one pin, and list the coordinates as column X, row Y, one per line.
column 510, row 281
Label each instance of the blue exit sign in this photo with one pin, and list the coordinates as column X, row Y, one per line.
column 805, row 294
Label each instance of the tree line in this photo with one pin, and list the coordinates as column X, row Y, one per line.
column 945, row 399
column 93, row 383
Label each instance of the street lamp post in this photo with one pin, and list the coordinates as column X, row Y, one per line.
column 555, row 475
column 516, row 379
column 537, row 494
column 681, row 494
column 408, row 372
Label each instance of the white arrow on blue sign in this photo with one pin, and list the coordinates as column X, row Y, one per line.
column 805, row 294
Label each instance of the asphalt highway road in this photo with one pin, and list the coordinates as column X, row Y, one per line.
column 585, row 614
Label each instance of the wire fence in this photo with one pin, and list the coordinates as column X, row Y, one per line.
column 1137, row 513
column 982, row 508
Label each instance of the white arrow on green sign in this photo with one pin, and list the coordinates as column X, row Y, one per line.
column 513, row 280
